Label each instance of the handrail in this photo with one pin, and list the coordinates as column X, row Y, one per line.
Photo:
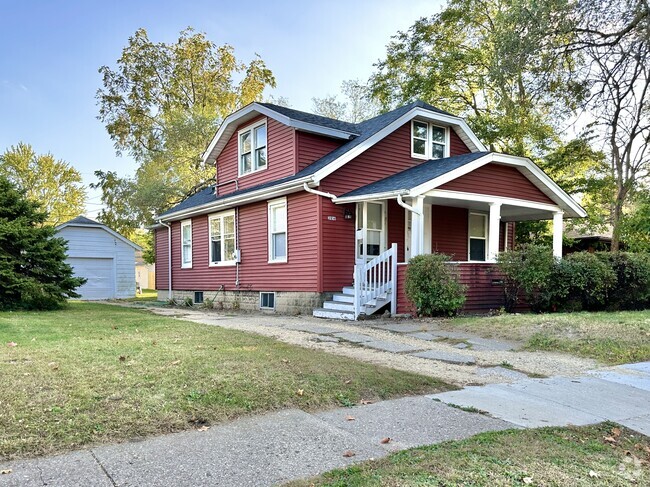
column 375, row 278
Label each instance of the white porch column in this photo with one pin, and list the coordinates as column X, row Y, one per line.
column 417, row 226
column 493, row 231
column 558, row 227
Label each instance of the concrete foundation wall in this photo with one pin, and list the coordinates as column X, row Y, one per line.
column 286, row 302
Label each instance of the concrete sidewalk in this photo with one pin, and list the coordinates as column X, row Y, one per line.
column 278, row 447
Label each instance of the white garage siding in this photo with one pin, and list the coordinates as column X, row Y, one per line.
column 104, row 258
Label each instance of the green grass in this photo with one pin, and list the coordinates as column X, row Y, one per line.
column 95, row 373
column 146, row 295
column 548, row 457
column 611, row 337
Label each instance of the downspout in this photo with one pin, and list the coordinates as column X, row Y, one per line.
column 169, row 257
column 319, row 193
column 400, row 202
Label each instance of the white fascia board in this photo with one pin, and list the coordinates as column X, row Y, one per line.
column 102, row 227
column 228, row 126
column 252, row 197
column 390, row 128
column 387, row 195
column 553, row 191
column 485, row 198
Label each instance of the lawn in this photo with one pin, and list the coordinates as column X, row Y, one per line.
column 600, row 455
column 96, row 373
column 145, row 295
column 611, row 337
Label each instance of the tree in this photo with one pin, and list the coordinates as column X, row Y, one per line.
column 55, row 184
column 33, row 271
column 615, row 39
column 161, row 105
column 496, row 63
column 358, row 104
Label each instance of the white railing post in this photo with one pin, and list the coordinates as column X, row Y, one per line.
column 393, row 278
column 357, row 297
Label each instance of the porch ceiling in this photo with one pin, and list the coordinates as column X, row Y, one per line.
column 509, row 213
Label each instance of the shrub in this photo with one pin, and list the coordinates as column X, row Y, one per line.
column 432, row 285
column 527, row 272
column 632, row 271
column 581, row 281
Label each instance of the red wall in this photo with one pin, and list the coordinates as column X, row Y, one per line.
column 449, row 232
column 280, row 153
column 484, row 288
column 255, row 273
column 337, row 245
column 497, row 180
column 388, row 156
column 311, row 147
column 162, row 256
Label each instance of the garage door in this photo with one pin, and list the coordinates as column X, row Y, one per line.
column 99, row 272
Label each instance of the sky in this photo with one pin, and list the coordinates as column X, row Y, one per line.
column 50, row 53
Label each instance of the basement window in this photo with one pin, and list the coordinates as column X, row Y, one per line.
column 198, row 297
column 267, row 300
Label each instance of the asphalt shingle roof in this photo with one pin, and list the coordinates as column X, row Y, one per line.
column 416, row 175
column 81, row 220
column 365, row 130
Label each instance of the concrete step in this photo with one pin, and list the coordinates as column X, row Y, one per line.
column 333, row 314
column 348, row 290
column 338, row 305
column 343, row 298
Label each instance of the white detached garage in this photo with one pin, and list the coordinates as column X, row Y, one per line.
column 104, row 257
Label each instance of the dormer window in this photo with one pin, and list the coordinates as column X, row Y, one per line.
column 252, row 148
column 428, row 141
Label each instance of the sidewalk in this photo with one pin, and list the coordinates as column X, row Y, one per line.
column 278, row 447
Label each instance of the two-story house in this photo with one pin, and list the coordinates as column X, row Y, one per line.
column 309, row 211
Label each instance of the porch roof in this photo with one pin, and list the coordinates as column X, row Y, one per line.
column 415, row 176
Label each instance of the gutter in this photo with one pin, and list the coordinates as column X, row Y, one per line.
column 331, row 196
column 169, row 257
column 400, row 202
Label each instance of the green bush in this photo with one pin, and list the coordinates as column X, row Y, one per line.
column 432, row 285
column 581, row 281
column 527, row 271
column 632, row 288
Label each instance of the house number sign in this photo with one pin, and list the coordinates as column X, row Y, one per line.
column 331, row 218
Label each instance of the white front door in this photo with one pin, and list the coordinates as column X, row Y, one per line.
column 371, row 230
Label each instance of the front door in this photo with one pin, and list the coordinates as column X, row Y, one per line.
column 371, row 230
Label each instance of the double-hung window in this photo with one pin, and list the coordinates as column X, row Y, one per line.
column 222, row 238
column 278, row 230
column 428, row 141
column 477, row 236
column 186, row 243
column 252, row 148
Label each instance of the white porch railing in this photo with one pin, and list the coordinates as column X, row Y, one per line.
column 375, row 280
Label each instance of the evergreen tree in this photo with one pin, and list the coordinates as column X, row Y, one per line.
column 33, row 271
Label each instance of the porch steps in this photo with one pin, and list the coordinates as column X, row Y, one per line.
column 341, row 306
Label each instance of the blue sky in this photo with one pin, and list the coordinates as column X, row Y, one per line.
column 50, row 53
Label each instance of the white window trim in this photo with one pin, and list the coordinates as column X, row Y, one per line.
column 186, row 265
column 486, row 238
column 274, row 298
column 221, row 215
column 271, row 205
column 251, row 128
column 427, row 148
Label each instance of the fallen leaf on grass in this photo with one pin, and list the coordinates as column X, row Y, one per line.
column 348, row 454
column 53, row 366
column 528, row 480
column 594, row 475
column 610, row 439
column 364, row 402
column 285, row 361
column 122, row 358
column 5, row 472
column 385, row 440
column 348, row 381
column 350, row 418
column 12, row 344
column 616, row 432
column 300, row 392
column 175, row 362
column 203, row 428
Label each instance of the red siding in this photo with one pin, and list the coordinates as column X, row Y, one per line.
column 255, row 273
column 337, row 245
column 456, row 145
column 449, row 233
column 484, row 288
column 386, row 157
column 311, row 147
column 396, row 233
column 281, row 158
column 162, row 256
column 497, row 180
